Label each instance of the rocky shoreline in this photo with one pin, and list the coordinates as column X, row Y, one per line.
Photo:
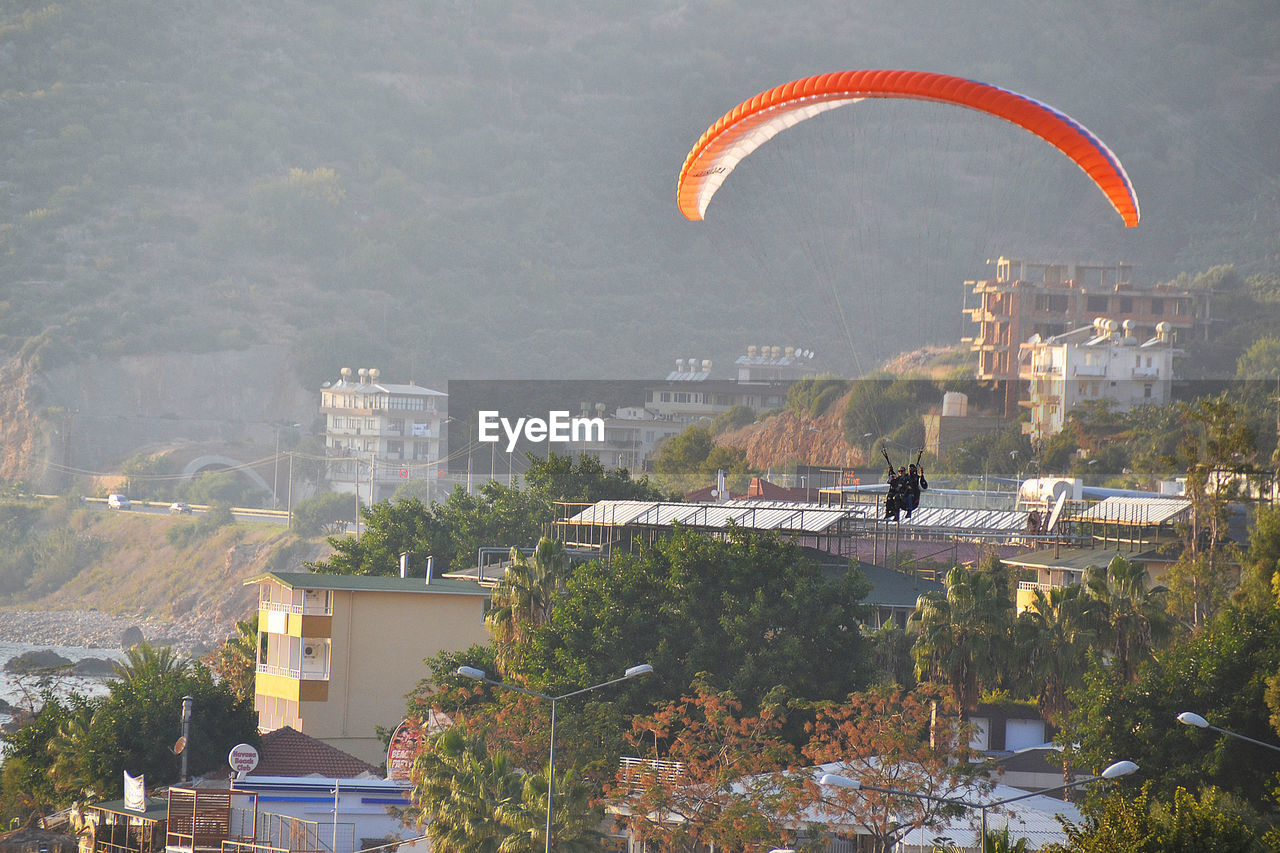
column 94, row 629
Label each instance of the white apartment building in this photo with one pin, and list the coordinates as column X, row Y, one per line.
column 1099, row 362
column 378, row 435
column 631, row 439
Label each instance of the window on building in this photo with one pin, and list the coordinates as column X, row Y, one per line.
column 395, row 449
column 1126, row 305
column 1157, row 306
column 1096, row 303
column 1146, row 390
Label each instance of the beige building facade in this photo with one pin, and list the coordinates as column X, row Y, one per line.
column 337, row 654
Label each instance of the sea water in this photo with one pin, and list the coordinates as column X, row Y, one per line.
column 20, row 690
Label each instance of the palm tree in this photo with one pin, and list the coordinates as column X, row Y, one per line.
column 575, row 824
column 69, row 748
column 958, row 633
column 145, row 662
column 1055, row 635
column 1132, row 615
column 460, row 793
column 523, row 598
column 236, row 660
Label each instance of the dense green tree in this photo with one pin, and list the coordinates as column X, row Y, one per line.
column 146, row 662
column 495, row 515
column 1260, row 578
column 27, row 784
column 692, row 459
column 1182, row 823
column 460, row 791
column 391, row 528
column 961, row 632
column 84, row 746
column 473, row 800
column 1055, row 635
column 575, row 818
column 881, row 404
column 1218, row 672
column 1130, row 610
column 812, row 396
column 140, row 720
column 523, row 599
column 748, row 609
column 1219, row 440
column 584, row 479
column 235, row 661
column 319, row 514
column 229, row 487
column 682, row 458
column 1261, row 361
column 733, row 418
column 69, row 747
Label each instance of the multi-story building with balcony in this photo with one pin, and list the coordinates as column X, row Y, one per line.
column 689, row 394
column 379, row 435
column 1101, row 362
column 338, row 653
column 1049, row 299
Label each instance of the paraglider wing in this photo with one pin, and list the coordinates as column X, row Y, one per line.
column 754, row 122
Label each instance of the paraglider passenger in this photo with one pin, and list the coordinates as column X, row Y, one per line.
column 915, row 483
column 893, row 503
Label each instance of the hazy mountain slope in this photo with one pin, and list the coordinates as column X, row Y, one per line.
column 452, row 189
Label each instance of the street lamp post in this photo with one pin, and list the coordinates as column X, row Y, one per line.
column 1187, row 718
column 1115, row 771
column 479, row 675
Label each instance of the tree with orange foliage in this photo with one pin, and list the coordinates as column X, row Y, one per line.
column 913, row 742
column 716, row 777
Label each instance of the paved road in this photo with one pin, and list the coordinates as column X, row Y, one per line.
column 275, row 516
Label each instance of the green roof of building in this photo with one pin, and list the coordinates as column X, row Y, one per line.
column 892, row 588
column 371, row 583
column 156, row 808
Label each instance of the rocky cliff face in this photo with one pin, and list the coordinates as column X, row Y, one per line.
column 24, row 436
column 788, row 439
column 94, row 415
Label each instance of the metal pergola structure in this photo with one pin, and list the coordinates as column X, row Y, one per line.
column 851, row 530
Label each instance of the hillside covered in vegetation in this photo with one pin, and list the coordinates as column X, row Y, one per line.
column 480, row 189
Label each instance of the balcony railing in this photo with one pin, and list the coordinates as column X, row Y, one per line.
column 637, row 774
column 290, row 607
column 299, row 673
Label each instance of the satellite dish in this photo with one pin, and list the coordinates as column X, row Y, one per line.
column 180, row 745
